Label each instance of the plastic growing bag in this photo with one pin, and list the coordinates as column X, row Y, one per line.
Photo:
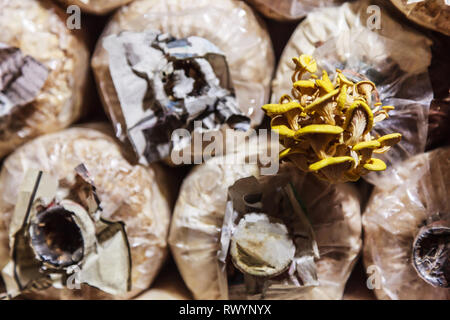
column 333, row 211
column 241, row 37
column 286, row 10
column 135, row 195
column 52, row 61
column 394, row 58
column 407, row 230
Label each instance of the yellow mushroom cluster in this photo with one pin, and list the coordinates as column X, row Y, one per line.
column 325, row 126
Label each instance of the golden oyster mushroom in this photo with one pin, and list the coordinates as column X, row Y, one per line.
column 325, row 83
column 306, row 62
column 387, row 141
column 375, row 164
column 326, row 125
column 318, row 137
column 284, row 131
column 277, row 109
column 366, row 145
column 366, row 148
column 366, row 88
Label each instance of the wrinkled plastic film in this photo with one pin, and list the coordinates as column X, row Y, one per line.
column 393, row 218
column 243, row 38
column 136, row 195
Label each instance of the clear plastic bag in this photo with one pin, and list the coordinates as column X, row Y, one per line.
column 417, row 194
column 394, row 57
column 242, row 37
column 137, row 195
column 432, row 14
column 286, row 10
column 333, row 210
column 96, row 6
column 38, row 29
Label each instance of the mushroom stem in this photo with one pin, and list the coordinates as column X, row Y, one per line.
column 431, row 253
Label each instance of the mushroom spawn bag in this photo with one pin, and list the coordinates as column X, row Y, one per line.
column 333, row 210
column 97, row 6
column 432, row 14
column 416, row 194
column 38, row 29
column 242, row 37
column 394, row 57
column 134, row 194
column 286, row 10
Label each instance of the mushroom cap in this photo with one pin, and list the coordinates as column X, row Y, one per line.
column 373, row 144
column 318, row 129
column 322, row 99
column 344, row 79
column 310, row 84
column 331, row 161
column 280, row 108
column 306, row 62
column 325, row 83
column 365, row 82
column 389, row 139
column 284, row 131
column 375, row 164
